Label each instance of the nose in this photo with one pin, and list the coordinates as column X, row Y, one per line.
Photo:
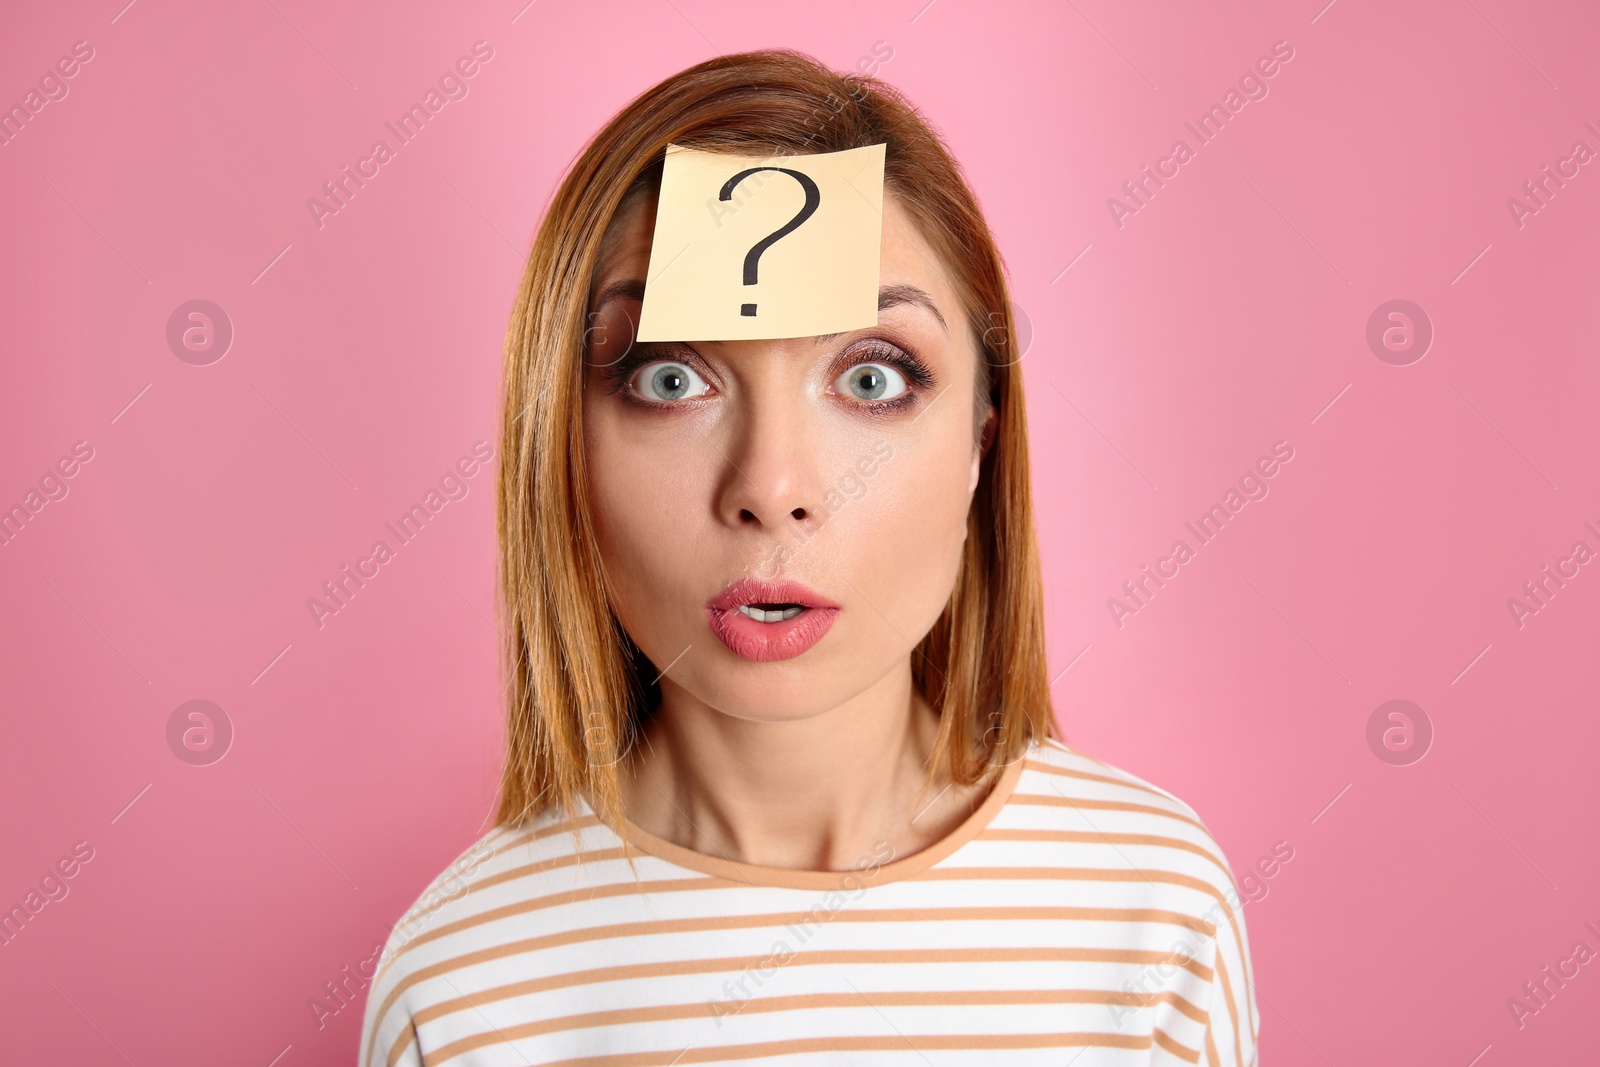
column 769, row 453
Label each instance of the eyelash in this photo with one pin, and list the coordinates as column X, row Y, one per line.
column 919, row 376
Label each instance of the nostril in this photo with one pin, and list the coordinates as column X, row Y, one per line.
column 799, row 513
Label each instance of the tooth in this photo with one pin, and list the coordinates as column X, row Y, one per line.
column 776, row 615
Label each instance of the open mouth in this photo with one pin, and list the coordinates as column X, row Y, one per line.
column 767, row 621
column 771, row 612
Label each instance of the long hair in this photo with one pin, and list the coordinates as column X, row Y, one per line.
column 577, row 687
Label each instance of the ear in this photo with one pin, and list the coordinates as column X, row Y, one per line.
column 985, row 439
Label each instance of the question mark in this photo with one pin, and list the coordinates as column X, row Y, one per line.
column 753, row 257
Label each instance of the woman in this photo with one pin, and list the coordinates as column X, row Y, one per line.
column 783, row 778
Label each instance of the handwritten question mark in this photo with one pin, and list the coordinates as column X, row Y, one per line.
column 753, row 257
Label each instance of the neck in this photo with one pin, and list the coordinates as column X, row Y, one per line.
column 821, row 793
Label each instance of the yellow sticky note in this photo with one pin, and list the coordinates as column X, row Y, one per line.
column 750, row 247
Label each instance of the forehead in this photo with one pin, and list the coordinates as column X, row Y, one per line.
column 905, row 255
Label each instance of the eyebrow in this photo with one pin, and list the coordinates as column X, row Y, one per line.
column 632, row 288
column 888, row 297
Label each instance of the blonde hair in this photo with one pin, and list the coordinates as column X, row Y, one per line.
column 578, row 687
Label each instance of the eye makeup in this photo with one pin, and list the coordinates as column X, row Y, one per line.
column 618, row 375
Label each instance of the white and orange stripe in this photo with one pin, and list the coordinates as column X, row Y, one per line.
column 1079, row 916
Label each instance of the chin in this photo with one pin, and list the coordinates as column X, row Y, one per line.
column 758, row 692
column 765, row 712
column 821, row 681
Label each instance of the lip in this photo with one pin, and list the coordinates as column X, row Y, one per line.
column 767, row 642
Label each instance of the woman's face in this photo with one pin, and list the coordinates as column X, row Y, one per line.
column 845, row 464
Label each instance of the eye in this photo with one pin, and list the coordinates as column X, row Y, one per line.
column 871, row 381
column 666, row 382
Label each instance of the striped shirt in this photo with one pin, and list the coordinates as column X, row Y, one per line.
column 1079, row 915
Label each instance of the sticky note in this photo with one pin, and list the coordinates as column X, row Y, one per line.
column 749, row 247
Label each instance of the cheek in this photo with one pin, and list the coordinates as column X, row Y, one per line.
column 646, row 509
column 889, row 547
column 905, row 543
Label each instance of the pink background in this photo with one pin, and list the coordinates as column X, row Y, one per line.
column 1229, row 313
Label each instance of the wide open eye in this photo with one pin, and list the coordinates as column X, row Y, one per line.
column 664, row 382
column 871, row 381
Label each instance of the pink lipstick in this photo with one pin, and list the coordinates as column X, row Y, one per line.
column 768, row 621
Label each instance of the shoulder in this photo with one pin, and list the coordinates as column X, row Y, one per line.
column 1084, row 813
column 1141, row 851
column 1138, row 851
column 1055, row 763
column 484, row 898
